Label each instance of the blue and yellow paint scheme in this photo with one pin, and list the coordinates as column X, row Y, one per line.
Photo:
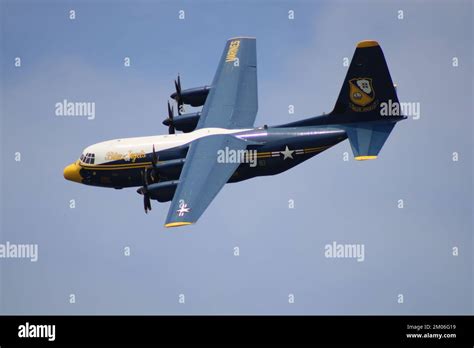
column 185, row 168
column 270, row 160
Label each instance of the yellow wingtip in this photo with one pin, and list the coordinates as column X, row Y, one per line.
column 241, row 37
column 367, row 43
column 364, row 158
column 177, row 224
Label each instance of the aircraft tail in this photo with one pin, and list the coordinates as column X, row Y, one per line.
column 367, row 106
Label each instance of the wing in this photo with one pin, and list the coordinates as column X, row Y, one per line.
column 232, row 101
column 202, row 177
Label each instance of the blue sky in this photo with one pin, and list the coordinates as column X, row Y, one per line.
column 408, row 251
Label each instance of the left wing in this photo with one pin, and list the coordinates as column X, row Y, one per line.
column 202, row 178
column 232, row 101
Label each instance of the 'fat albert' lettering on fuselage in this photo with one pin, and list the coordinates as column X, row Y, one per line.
column 129, row 156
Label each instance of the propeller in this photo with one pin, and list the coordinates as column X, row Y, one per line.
column 170, row 120
column 178, row 96
column 144, row 191
column 154, row 161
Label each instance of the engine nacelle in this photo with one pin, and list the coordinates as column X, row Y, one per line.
column 185, row 122
column 163, row 191
column 193, row 96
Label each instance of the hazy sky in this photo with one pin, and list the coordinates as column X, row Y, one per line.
column 408, row 251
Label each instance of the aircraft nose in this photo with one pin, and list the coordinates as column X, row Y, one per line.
column 71, row 172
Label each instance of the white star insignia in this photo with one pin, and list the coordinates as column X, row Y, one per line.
column 287, row 153
column 183, row 209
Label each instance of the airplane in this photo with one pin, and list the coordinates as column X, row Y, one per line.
column 220, row 144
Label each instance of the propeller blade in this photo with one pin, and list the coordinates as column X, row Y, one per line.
column 154, row 158
column 145, row 179
column 171, row 129
column 154, row 161
column 177, row 84
column 144, row 191
column 179, row 97
column 146, row 203
column 170, row 112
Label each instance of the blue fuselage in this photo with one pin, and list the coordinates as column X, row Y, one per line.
column 274, row 150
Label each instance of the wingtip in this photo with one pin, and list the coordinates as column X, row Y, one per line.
column 367, row 43
column 177, row 224
column 365, row 158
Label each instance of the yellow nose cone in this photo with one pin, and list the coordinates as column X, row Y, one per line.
column 71, row 172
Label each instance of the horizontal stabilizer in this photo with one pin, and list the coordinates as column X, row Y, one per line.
column 368, row 138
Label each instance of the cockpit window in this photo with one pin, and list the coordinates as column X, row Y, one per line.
column 88, row 158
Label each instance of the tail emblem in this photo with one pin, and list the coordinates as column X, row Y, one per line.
column 361, row 93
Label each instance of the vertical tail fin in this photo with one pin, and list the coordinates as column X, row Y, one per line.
column 367, row 85
column 366, row 95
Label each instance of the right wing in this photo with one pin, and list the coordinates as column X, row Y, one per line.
column 233, row 101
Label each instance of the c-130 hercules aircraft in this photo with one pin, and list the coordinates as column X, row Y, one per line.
column 220, row 145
